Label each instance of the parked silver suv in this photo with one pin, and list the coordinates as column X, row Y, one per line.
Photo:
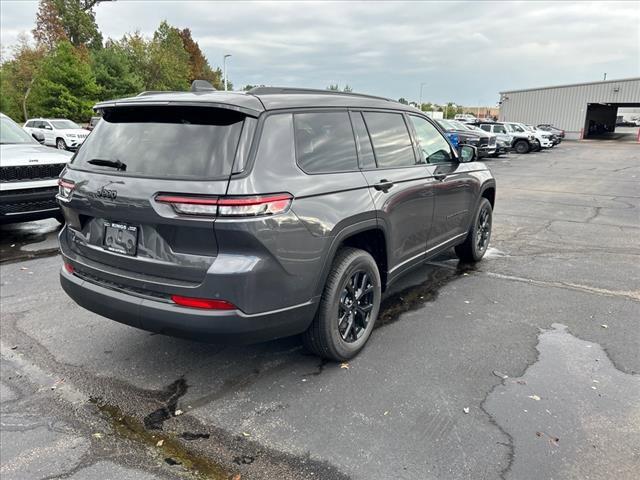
column 249, row 216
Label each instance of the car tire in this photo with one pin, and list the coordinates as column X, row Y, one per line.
column 521, row 146
column 348, row 307
column 475, row 245
column 61, row 144
column 536, row 147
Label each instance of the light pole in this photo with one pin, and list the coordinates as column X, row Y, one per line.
column 224, row 69
column 421, row 85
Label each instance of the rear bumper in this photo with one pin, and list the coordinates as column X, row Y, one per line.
column 28, row 204
column 198, row 324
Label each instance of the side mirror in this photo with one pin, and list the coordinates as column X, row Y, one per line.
column 468, row 153
column 39, row 136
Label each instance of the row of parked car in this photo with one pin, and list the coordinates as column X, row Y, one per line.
column 493, row 139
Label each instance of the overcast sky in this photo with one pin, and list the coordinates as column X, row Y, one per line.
column 463, row 52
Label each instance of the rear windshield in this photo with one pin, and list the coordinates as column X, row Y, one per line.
column 173, row 142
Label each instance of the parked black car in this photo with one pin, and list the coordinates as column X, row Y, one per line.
column 469, row 137
column 247, row 216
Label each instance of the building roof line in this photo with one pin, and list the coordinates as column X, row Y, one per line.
column 632, row 79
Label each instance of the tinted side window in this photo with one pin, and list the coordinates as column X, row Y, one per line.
column 324, row 142
column 486, row 128
column 499, row 129
column 434, row 147
column 365, row 150
column 391, row 141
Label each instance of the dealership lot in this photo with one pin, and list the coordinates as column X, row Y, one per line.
column 524, row 366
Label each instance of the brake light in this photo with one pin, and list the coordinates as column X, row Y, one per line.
column 205, row 303
column 232, row 206
column 191, row 205
column 65, row 189
column 69, row 268
column 254, row 206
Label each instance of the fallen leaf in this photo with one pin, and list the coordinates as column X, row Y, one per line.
column 178, row 412
column 465, row 409
column 538, row 434
column 604, row 325
column 245, row 434
column 14, row 347
column 500, row 375
column 534, row 397
column 593, row 388
column 386, row 413
column 160, row 442
column 13, row 245
column 344, row 365
column 236, row 477
column 467, row 301
column 24, row 268
column 97, row 435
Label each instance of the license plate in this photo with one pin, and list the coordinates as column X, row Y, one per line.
column 120, row 238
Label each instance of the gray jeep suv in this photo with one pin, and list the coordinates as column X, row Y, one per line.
column 244, row 217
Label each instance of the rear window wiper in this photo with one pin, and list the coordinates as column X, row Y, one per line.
column 108, row 163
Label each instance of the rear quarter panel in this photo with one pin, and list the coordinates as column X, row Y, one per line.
column 299, row 244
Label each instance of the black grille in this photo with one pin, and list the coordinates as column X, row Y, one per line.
column 28, row 206
column 31, row 172
column 483, row 141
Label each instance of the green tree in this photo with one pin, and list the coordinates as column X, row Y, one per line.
column 17, row 77
column 168, row 67
column 65, row 86
column 199, row 68
column 336, row 88
column 72, row 20
column 114, row 73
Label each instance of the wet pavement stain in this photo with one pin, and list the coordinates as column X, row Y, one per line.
column 171, row 450
column 172, row 393
column 22, row 241
column 412, row 298
column 571, row 415
column 190, row 436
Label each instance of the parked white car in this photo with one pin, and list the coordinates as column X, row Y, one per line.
column 58, row 132
column 540, row 138
column 28, row 175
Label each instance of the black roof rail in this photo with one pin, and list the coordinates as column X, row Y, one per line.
column 295, row 90
column 202, row 86
column 153, row 92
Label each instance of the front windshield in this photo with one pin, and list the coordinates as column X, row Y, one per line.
column 12, row 133
column 64, row 124
column 446, row 124
column 458, row 125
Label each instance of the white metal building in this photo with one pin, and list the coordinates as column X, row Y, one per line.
column 582, row 109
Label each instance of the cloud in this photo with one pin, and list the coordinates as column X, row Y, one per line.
column 464, row 51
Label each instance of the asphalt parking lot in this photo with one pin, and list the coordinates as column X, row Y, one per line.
column 525, row 366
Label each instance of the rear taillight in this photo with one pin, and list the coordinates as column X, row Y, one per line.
column 206, row 303
column 65, row 189
column 69, row 268
column 236, row 206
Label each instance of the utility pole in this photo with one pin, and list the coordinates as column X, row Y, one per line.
column 421, row 85
column 605, row 77
column 224, row 69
